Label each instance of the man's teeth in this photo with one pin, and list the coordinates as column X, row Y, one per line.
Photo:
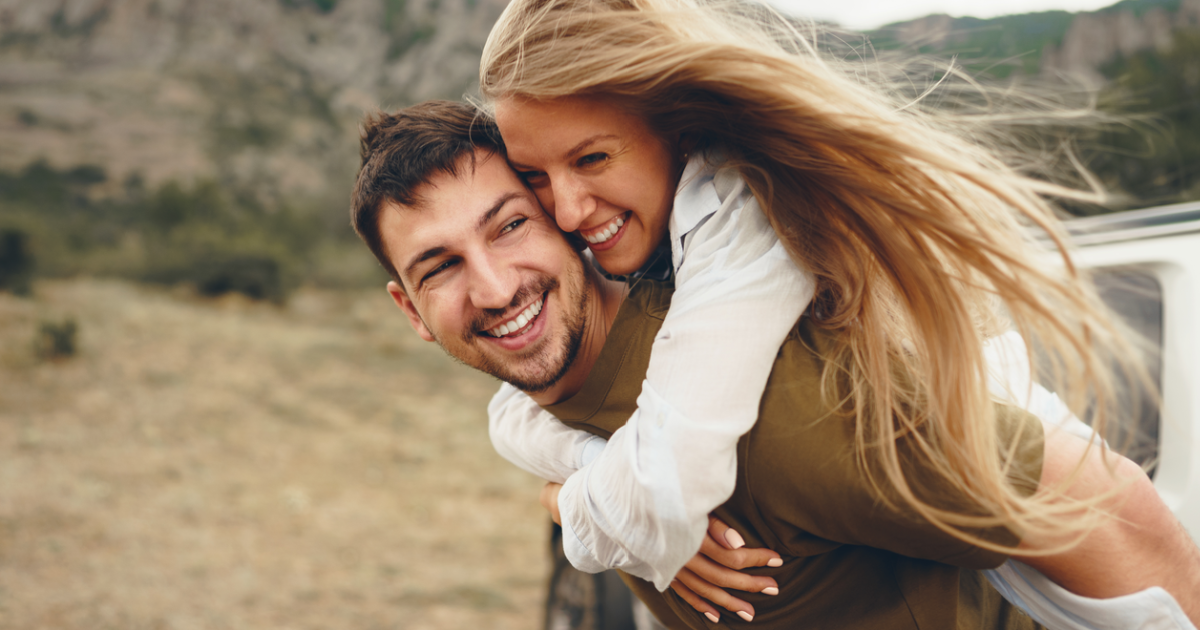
column 608, row 232
column 520, row 322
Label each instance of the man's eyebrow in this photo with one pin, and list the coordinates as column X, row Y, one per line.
column 495, row 209
column 487, row 217
column 422, row 257
column 572, row 151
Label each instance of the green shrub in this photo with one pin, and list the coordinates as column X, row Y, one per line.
column 57, row 340
column 16, row 262
column 255, row 276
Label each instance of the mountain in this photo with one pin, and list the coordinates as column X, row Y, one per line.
column 264, row 94
column 212, row 142
column 1141, row 57
column 215, row 141
column 1050, row 42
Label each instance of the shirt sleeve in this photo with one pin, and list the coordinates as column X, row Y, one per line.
column 1010, row 379
column 642, row 506
column 534, row 440
column 1055, row 607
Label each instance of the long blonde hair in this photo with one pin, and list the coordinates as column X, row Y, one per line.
column 916, row 235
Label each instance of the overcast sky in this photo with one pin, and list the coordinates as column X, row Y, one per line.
column 868, row 14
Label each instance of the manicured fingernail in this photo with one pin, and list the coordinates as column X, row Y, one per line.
column 771, row 590
column 745, row 615
column 734, row 539
column 713, row 618
column 775, row 562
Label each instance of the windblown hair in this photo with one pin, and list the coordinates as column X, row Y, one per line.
column 402, row 150
column 915, row 230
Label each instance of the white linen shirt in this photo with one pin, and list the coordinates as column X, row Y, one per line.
column 641, row 502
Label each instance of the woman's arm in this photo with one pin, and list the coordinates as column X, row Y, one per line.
column 1141, row 546
column 643, row 504
column 534, row 440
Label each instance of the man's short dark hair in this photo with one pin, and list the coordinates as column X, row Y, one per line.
column 403, row 150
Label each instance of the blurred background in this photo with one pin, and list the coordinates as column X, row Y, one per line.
column 211, row 415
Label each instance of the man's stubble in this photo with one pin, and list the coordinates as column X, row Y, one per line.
column 545, row 364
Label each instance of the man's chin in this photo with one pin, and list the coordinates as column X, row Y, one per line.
column 534, row 379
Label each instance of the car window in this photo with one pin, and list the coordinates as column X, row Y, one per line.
column 1135, row 295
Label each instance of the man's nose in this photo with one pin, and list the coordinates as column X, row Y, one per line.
column 493, row 284
column 573, row 203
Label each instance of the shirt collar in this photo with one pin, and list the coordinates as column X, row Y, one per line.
column 695, row 198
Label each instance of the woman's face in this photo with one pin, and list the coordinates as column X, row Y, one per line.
column 598, row 170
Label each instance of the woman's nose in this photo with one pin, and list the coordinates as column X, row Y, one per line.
column 573, row 204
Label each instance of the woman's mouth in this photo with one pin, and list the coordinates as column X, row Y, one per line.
column 607, row 232
column 521, row 323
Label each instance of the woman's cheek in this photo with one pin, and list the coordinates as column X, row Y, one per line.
column 546, row 198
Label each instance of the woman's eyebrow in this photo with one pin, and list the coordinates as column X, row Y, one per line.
column 588, row 142
column 567, row 154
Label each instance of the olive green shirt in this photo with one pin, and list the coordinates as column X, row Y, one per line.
column 851, row 560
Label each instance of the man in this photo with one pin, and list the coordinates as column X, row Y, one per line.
column 474, row 259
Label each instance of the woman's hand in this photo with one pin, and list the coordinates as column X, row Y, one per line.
column 703, row 580
column 549, row 500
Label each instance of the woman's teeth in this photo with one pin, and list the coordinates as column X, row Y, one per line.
column 520, row 322
column 608, row 232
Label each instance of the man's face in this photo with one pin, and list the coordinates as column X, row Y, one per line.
column 487, row 274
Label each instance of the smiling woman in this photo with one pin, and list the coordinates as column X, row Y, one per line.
column 600, row 171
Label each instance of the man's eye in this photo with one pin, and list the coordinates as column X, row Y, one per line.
column 593, row 158
column 512, row 226
column 438, row 269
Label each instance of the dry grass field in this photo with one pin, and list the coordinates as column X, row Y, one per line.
column 227, row 464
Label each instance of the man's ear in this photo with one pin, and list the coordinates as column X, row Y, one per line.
column 402, row 300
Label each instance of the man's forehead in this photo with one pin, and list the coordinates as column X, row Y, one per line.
column 458, row 199
column 449, row 207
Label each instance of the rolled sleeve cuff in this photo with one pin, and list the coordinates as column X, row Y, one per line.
column 578, row 553
column 591, row 450
column 1055, row 607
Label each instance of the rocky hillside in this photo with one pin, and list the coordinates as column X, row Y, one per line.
column 257, row 94
column 1050, row 42
column 214, row 142
column 263, row 96
column 1095, row 39
column 1141, row 56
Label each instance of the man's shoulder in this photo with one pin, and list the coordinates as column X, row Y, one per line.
column 647, row 298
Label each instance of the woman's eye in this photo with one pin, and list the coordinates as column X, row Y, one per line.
column 512, row 226
column 532, row 178
column 593, row 158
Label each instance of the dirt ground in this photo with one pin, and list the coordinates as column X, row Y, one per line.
column 226, row 464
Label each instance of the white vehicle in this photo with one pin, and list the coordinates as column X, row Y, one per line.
column 1146, row 264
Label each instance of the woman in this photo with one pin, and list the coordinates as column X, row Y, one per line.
column 912, row 235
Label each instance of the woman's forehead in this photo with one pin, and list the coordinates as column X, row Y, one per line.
column 559, row 125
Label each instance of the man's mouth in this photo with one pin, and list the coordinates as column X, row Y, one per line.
column 605, row 232
column 521, row 323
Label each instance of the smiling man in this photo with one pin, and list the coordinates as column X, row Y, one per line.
column 479, row 268
column 476, row 265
